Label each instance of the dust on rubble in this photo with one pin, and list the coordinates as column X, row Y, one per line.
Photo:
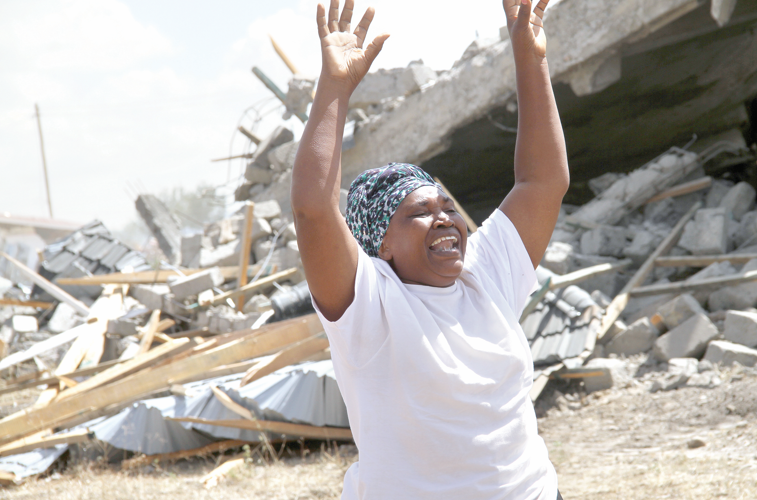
column 624, row 442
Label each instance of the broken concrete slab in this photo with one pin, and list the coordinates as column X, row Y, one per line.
column 268, row 210
column 280, row 135
column 741, row 328
column 223, row 255
column 678, row 310
column 717, row 192
column 726, row 353
column 747, row 230
column 712, row 271
column 557, row 257
column 707, row 234
column 187, row 286
column 615, row 373
column 256, row 174
column 282, row 157
column 738, row 200
column 735, row 297
column 150, row 296
column 721, row 10
column 163, row 224
column 607, row 241
column 64, row 318
column 191, row 247
column 386, row 84
column 641, row 247
column 22, row 323
column 687, row 340
column 636, row 338
column 299, row 95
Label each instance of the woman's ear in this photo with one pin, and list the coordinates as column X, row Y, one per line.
column 384, row 252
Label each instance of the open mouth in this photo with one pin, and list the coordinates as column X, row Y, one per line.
column 445, row 244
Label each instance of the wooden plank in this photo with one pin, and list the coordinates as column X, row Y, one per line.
column 244, row 254
column 256, row 285
column 688, row 286
column 472, row 226
column 40, row 379
column 26, row 303
column 283, row 56
column 148, row 277
column 216, row 447
column 682, row 189
column 620, row 301
column 9, row 479
column 148, row 333
column 286, row 428
column 704, row 260
column 223, row 371
column 129, row 367
column 565, row 280
column 212, row 478
column 50, row 288
column 289, row 356
column 61, row 410
column 25, row 445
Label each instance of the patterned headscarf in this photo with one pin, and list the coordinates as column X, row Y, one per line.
column 374, row 197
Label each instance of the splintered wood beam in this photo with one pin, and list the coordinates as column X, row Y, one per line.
column 294, row 430
column 682, row 189
column 472, row 226
column 590, row 272
column 688, row 286
column 255, row 285
column 25, row 445
column 244, row 255
column 148, row 277
column 26, row 303
column 217, row 447
column 148, row 334
column 61, row 411
column 283, row 56
column 50, row 288
column 286, row 357
column 704, row 260
column 619, row 303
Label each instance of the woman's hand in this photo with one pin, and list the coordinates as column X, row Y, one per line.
column 526, row 28
column 345, row 63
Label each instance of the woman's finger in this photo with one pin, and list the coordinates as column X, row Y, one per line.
column 524, row 14
column 375, row 47
column 539, row 10
column 346, row 19
column 333, row 16
column 362, row 29
column 320, row 18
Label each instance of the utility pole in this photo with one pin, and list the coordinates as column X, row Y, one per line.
column 44, row 161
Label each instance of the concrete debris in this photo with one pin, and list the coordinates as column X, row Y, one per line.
column 194, row 284
column 615, row 373
column 299, row 95
column 735, row 297
column 707, row 233
column 636, row 338
column 726, row 353
column 689, row 339
column 741, row 328
column 608, row 241
column 387, row 84
column 738, row 200
column 165, row 226
column 678, row 310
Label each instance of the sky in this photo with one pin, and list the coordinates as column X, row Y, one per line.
column 137, row 96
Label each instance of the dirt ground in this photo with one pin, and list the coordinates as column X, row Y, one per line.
column 625, row 443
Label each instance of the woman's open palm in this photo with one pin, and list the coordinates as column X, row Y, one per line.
column 526, row 27
column 344, row 60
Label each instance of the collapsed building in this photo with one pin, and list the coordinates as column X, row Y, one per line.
column 654, row 253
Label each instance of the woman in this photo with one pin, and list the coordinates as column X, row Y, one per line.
column 422, row 319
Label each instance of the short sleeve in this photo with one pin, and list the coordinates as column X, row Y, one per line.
column 496, row 252
column 361, row 331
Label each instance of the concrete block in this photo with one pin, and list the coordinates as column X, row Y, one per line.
column 596, row 74
column 280, row 135
column 687, row 340
column 193, row 284
column 679, row 372
column 292, row 255
column 391, row 84
column 678, row 310
column 150, row 296
column 616, row 373
column 746, row 232
column 558, row 257
column 638, row 337
column 163, row 224
column 64, row 318
column 289, row 233
column 738, row 200
column 268, row 210
column 343, row 201
column 737, row 297
column 223, row 255
column 299, row 95
column 282, row 157
column 741, row 328
column 725, row 353
column 191, row 246
column 717, row 192
column 600, row 184
column 721, row 11
column 712, row 271
column 22, row 323
column 261, row 248
column 707, row 234
column 223, row 319
column 257, row 174
column 641, row 247
column 604, row 240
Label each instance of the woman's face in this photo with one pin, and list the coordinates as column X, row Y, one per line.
column 426, row 238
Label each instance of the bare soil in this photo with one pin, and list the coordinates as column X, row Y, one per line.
column 625, row 443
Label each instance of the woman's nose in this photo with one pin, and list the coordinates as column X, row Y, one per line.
column 443, row 219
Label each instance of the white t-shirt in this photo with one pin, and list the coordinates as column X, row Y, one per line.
column 436, row 380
